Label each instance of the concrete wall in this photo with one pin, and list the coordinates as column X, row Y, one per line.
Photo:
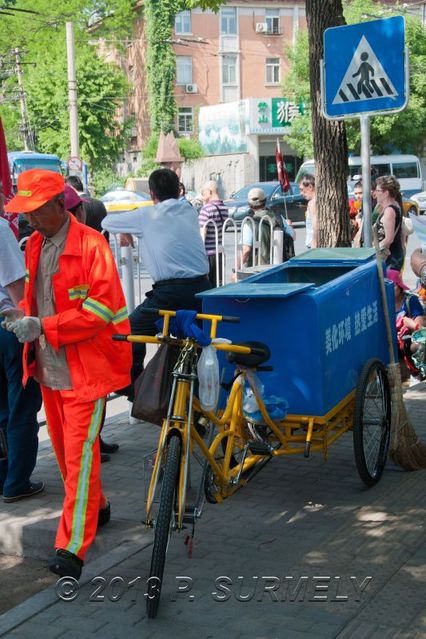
column 231, row 172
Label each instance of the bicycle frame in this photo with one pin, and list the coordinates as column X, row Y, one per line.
column 232, row 425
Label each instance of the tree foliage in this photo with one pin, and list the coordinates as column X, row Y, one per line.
column 102, row 87
column 161, row 63
column 161, row 60
column 405, row 131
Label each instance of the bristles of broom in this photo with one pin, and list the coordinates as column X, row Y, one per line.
column 406, row 449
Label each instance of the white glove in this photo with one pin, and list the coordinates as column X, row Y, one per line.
column 10, row 316
column 26, row 329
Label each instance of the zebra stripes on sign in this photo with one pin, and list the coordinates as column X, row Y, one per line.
column 365, row 78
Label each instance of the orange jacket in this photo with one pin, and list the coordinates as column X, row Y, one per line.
column 90, row 309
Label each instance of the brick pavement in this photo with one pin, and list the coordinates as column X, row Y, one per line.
column 305, row 524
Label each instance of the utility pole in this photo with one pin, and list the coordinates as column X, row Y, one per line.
column 25, row 127
column 72, row 92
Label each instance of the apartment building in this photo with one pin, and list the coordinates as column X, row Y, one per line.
column 228, row 90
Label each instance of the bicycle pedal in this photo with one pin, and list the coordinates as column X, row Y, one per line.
column 189, row 516
column 258, row 447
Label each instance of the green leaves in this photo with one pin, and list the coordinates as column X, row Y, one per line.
column 405, row 131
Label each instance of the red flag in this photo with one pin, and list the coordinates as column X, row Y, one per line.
column 281, row 170
column 12, row 218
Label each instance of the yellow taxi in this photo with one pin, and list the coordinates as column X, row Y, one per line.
column 121, row 200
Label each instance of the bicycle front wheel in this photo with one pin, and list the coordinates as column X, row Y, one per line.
column 163, row 525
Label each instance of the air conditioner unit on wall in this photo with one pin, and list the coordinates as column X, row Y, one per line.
column 261, row 27
column 191, row 88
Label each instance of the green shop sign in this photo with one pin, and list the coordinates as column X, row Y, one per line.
column 284, row 111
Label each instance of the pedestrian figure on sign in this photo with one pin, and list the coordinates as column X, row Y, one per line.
column 364, row 75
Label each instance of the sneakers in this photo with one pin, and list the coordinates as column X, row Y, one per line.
column 104, row 515
column 66, row 564
column 34, row 488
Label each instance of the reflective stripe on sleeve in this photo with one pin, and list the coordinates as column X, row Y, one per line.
column 121, row 315
column 78, row 292
column 98, row 309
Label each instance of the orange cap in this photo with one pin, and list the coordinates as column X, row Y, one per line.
column 35, row 188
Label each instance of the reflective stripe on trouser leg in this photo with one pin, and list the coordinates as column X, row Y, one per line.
column 83, row 493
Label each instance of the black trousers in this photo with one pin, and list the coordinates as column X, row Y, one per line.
column 171, row 295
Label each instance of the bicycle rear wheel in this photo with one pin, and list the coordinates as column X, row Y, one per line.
column 372, row 422
column 163, row 526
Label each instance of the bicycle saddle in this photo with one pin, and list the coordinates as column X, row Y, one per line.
column 259, row 355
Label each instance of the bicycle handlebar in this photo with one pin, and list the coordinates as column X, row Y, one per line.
column 148, row 339
column 200, row 316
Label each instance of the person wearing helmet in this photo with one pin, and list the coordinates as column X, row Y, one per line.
column 256, row 198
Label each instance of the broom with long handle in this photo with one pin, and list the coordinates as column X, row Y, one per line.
column 406, row 449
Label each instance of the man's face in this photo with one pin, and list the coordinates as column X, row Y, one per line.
column 358, row 193
column 206, row 195
column 307, row 190
column 49, row 218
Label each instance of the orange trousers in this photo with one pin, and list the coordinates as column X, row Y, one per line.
column 74, row 428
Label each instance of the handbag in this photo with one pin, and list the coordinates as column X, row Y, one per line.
column 153, row 387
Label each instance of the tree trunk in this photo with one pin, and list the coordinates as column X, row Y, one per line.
column 329, row 136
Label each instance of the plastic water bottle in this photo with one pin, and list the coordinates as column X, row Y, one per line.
column 208, row 377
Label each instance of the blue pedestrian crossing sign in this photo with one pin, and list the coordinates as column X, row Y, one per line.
column 365, row 69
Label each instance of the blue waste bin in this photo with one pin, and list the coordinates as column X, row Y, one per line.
column 320, row 313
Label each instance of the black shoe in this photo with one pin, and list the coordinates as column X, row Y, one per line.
column 108, row 448
column 104, row 515
column 34, row 488
column 105, row 458
column 66, row 564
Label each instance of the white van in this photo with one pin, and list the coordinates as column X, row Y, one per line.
column 406, row 168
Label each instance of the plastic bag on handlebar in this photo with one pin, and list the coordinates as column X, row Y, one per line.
column 153, row 386
column 208, row 378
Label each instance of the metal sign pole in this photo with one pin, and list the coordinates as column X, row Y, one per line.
column 366, row 180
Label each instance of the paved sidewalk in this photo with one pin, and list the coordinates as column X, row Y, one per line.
column 339, row 560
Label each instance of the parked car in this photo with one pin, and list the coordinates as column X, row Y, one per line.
column 420, row 200
column 410, row 206
column 292, row 202
column 123, row 200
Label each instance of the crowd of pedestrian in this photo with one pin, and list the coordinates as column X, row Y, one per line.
column 62, row 307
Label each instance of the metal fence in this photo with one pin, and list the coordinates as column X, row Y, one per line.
column 129, row 259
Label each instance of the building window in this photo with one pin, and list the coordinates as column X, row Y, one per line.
column 272, row 70
column 228, row 21
column 229, row 69
column 273, row 21
column 183, row 22
column 183, row 69
column 185, row 120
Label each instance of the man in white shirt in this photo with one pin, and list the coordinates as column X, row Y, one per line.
column 18, row 405
column 173, row 252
